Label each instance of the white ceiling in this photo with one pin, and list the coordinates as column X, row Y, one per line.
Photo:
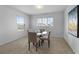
column 31, row 10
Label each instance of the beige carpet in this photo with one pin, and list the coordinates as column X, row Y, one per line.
column 20, row 46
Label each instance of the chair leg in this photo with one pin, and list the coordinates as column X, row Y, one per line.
column 33, row 44
column 36, row 47
column 48, row 43
column 29, row 46
column 39, row 43
column 42, row 41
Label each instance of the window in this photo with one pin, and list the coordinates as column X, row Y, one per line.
column 20, row 23
column 44, row 21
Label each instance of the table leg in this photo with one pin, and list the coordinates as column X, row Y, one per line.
column 42, row 41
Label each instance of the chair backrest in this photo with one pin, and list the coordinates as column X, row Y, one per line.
column 32, row 37
column 47, row 36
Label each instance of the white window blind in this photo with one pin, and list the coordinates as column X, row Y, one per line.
column 44, row 21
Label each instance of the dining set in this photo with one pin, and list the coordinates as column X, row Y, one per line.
column 38, row 38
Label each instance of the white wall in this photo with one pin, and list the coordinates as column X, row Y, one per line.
column 58, row 28
column 8, row 26
column 72, row 41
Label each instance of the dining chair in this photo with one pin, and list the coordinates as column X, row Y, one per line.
column 32, row 38
column 46, row 37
